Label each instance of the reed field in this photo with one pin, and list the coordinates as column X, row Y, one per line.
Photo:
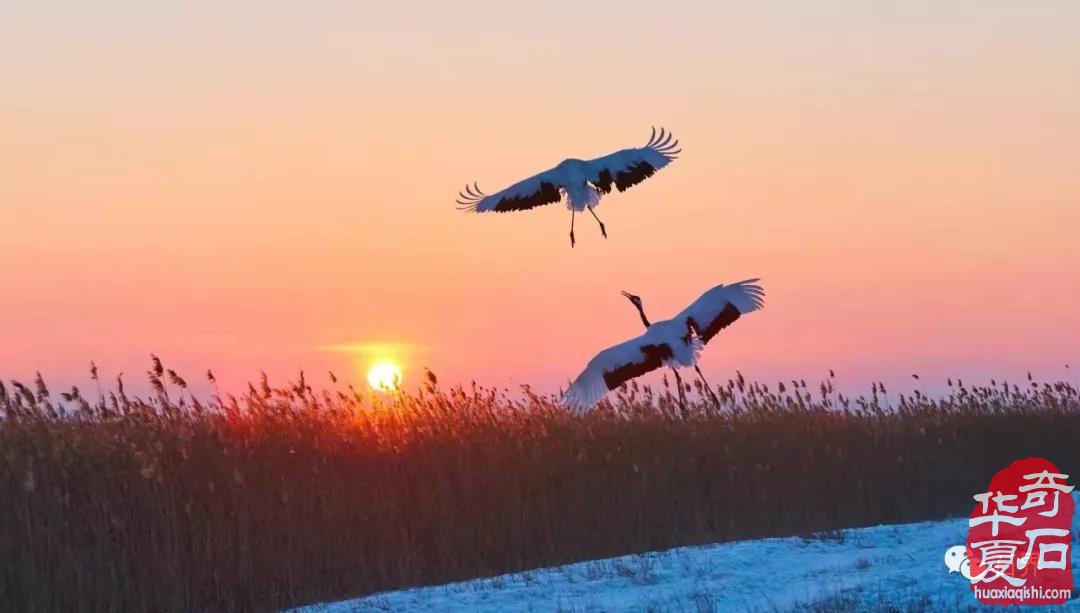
column 290, row 495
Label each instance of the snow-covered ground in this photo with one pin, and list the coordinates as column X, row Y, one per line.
column 863, row 568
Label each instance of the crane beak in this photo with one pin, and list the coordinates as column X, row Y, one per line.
column 627, row 294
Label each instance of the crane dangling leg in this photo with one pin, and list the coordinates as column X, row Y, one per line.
column 712, row 394
column 571, row 228
column 682, row 394
column 602, row 230
column 636, row 301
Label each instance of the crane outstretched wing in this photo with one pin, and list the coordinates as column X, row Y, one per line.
column 719, row 307
column 621, row 169
column 626, row 168
column 537, row 190
column 614, row 366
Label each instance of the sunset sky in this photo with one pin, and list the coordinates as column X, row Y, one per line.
column 253, row 186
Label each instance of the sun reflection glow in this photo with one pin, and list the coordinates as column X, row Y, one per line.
column 384, row 376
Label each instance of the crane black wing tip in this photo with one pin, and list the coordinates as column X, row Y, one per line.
column 662, row 141
column 752, row 286
column 469, row 198
column 754, row 292
column 654, row 137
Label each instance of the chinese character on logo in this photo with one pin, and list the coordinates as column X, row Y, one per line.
column 1019, row 537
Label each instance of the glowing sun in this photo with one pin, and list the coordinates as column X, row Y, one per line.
column 384, row 376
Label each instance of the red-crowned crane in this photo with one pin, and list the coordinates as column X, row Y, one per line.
column 583, row 181
column 673, row 342
column 640, row 306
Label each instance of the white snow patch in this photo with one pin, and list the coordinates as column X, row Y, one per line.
column 900, row 565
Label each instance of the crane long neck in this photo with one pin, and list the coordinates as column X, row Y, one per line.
column 644, row 320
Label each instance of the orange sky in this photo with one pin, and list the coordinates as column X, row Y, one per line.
column 253, row 187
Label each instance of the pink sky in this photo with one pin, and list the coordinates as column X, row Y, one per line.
column 254, row 187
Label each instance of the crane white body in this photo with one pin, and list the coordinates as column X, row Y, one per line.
column 573, row 177
column 674, row 342
column 582, row 182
